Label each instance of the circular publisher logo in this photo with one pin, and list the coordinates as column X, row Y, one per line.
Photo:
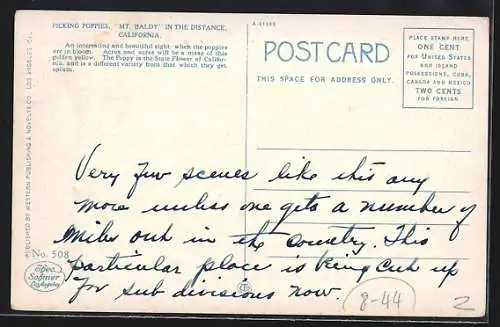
column 244, row 286
column 44, row 276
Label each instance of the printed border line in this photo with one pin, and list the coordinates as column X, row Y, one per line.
column 366, row 258
column 333, row 223
column 358, row 190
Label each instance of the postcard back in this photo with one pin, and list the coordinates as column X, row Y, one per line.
column 250, row 164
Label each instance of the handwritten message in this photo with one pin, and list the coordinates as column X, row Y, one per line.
column 359, row 250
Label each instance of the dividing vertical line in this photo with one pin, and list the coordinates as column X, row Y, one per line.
column 246, row 146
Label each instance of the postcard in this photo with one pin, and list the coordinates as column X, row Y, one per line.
column 258, row 164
